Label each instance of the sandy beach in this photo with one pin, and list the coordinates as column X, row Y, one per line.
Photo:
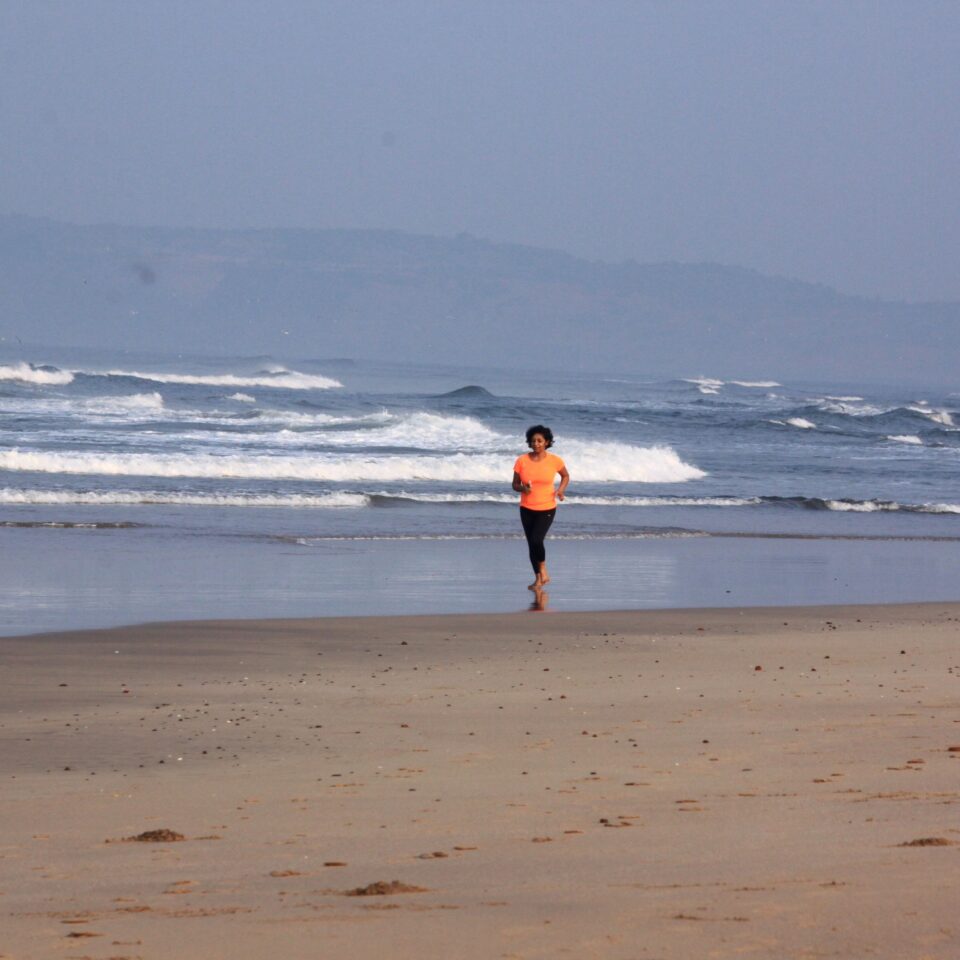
column 643, row 785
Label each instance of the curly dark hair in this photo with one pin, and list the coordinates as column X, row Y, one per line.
column 544, row 432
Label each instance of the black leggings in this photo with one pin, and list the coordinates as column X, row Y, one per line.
column 536, row 523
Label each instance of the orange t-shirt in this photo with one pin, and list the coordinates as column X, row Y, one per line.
column 539, row 474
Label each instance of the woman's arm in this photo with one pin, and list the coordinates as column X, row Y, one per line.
column 564, row 480
column 519, row 485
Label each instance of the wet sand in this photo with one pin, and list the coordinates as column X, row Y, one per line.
column 776, row 783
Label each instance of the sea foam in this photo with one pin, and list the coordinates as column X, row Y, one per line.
column 420, row 431
column 573, row 500
column 336, row 498
column 414, row 431
column 131, row 403
column 90, row 409
column 354, row 499
column 332, row 499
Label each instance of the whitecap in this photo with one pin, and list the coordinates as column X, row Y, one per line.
column 937, row 416
column 131, row 403
column 802, row 423
column 850, row 408
column 275, row 377
column 704, row 382
column 242, row 398
column 861, row 506
column 705, row 385
column 906, row 438
column 28, row 373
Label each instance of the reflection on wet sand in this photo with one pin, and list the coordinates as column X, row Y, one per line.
column 540, row 600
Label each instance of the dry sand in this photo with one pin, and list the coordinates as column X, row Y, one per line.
column 638, row 785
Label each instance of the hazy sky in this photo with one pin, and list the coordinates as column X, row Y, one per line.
column 818, row 140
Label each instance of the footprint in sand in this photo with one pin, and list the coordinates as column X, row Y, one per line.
column 179, row 887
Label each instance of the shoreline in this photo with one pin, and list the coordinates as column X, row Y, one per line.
column 775, row 781
column 655, row 614
column 49, row 584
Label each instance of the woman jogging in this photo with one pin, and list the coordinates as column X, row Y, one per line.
column 533, row 476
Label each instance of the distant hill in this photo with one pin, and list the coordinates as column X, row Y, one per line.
column 397, row 296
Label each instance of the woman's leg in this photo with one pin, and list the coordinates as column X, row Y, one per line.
column 529, row 519
column 536, row 523
column 545, row 521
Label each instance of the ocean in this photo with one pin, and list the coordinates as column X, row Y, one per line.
column 145, row 488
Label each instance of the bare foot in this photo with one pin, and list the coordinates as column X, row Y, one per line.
column 536, row 585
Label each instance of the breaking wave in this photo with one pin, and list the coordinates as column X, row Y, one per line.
column 845, row 505
column 385, row 498
column 594, row 462
column 809, row 503
column 850, row 407
column 855, row 407
column 419, row 431
column 801, row 423
column 28, row 373
column 277, row 377
column 129, row 406
column 943, row 417
column 706, row 385
column 711, row 385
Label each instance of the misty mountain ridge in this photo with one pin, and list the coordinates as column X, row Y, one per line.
column 387, row 295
